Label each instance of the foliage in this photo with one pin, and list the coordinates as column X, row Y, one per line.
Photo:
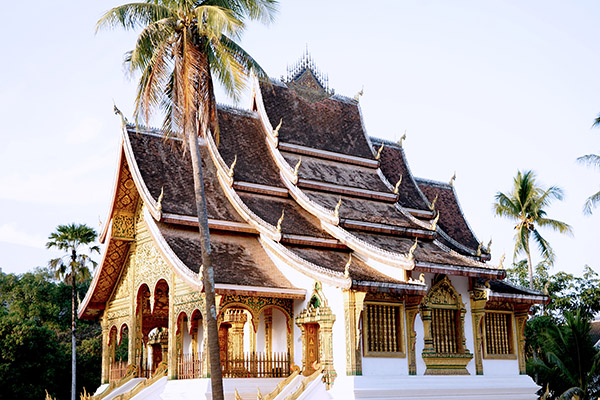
column 567, row 362
column 591, row 160
column 35, row 338
column 526, row 205
column 567, row 292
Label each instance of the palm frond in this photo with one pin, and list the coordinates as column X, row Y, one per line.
column 213, row 21
column 555, row 225
column 596, row 121
column 134, row 15
column 544, row 247
column 591, row 202
column 591, row 160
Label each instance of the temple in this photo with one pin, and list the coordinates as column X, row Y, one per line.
column 338, row 274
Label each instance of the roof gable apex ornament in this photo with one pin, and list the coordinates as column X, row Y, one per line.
column 120, row 114
column 397, row 186
column 359, row 94
column 402, row 138
column 451, row 183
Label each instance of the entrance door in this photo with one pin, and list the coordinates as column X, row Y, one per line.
column 312, row 347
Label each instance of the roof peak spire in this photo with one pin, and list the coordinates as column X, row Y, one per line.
column 306, row 64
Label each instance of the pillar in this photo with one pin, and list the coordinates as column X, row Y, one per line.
column 353, row 306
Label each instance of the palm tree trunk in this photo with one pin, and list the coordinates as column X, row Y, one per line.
column 208, row 281
column 73, row 339
column 529, row 263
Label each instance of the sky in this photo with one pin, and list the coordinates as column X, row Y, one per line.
column 482, row 89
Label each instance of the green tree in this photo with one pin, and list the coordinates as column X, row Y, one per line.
column 181, row 45
column 74, row 240
column 568, row 364
column 526, row 205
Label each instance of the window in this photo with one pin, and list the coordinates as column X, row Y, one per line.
column 498, row 334
column 383, row 330
column 444, row 331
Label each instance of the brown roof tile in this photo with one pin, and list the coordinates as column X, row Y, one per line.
column 452, row 220
column 237, row 259
column 163, row 164
column 330, row 124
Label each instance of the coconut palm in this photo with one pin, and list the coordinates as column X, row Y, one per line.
column 592, row 160
column 569, row 364
column 526, row 205
column 181, row 45
column 75, row 240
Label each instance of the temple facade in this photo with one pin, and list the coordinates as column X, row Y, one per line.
column 330, row 259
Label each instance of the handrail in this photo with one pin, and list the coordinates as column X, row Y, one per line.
column 305, row 383
column 283, row 383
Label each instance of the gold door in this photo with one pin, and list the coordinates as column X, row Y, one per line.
column 312, row 347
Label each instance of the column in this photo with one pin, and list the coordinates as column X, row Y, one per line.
column 353, row 306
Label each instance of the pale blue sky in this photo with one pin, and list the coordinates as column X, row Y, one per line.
column 483, row 88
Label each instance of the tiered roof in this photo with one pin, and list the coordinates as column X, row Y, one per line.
column 296, row 179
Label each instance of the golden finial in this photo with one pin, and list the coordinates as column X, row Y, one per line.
column 160, row 199
column 347, row 267
column 297, row 167
column 402, row 138
column 489, row 246
column 479, row 249
column 276, row 130
column 336, row 210
column 232, row 167
column 120, row 114
column 422, row 278
column 452, row 179
column 435, row 221
column 258, row 394
column 360, row 93
column 432, row 206
column 379, row 152
column 411, row 252
column 397, row 187
column 280, row 221
column 501, row 261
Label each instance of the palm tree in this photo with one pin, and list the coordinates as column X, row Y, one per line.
column 526, row 205
column 181, row 45
column 72, row 268
column 592, row 160
column 569, row 364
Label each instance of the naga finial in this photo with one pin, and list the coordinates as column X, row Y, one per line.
column 276, row 130
column 432, row 205
column 489, row 247
column 452, row 179
column 160, row 199
column 397, row 186
column 479, row 249
column 336, row 210
column 402, row 138
column 232, row 167
column 280, row 221
column 501, row 261
column 379, row 151
column 411, row 252
column 297, row 167
column 120, row 114
column 360, row 93
column 347, row 267
column 435, row 221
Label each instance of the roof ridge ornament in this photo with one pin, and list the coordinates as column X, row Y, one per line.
column 232, row 167
column 479, row 249
column 432, row 205
column 489, row 247
column 347, row 267
column 501, row 261
column 359, row 94
column 280, row 221
column 160, row 199
column 378, row 155
column 336, row 210
column 451, row 183
column 402, row 138
column 397, row 186
column 435, row 221
column 276, row 130
column 411, row 252
column 297, row 167
column 120, row 114
column 306, row 63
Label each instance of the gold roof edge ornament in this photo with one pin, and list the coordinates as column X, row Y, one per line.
column 160, row 199
column 479, row 249
column 120, row 114
column 501, row 261
column 336, row 210
column 347, row 267
column 297, row 167
column 489, row 247
column 397, row 186
column 232, row 167
column 276, row 130
column 402, row 139
column 451, row 183
column 432, row 205
column 435, row 222
column 378, row 155
column 280, row 221
column 411, row 252
column 359, row 94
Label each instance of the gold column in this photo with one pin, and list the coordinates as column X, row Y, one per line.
column 412, row 309
column 268, row 330
column 170, row 355
column 478, row 300
column 520, row 320
column 107, row 352
column 353, row 306
column 237, row 318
